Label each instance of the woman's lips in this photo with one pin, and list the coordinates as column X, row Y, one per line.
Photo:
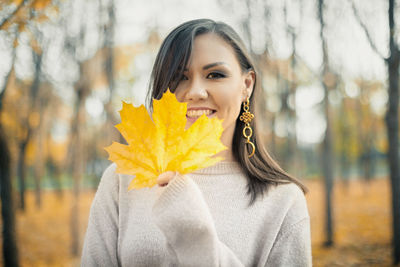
column 193, row 114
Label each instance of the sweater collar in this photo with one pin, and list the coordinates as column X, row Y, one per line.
column 222, row 167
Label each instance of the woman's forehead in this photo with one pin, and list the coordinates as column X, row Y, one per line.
column 210, row 50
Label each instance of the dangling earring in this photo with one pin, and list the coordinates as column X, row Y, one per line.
column 246, row 117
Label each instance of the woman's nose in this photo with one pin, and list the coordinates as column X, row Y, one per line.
column 196, row 91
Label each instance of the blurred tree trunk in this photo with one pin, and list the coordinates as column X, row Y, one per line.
column 284, row 114
column 367, row 134
column 38, row 170
column 40, row 134
column 327, row 153
column 392, row 120
column 30, row 124
column 10, row 250
column 292, row 111
column 77, row 159
column 109, row 69
column 53, row 165
column 272, row 145
column 361, row 146
column 369, row 161
column 21, row 170
column 291, row 147
column 392, row 124
column 55, row 174
column 76, row 149
column 345, row 143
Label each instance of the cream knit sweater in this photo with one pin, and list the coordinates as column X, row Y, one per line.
column 200, row 219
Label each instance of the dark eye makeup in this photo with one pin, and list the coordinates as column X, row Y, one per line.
column 216, row 75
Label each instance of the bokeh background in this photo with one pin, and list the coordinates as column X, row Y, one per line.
column 330, row 78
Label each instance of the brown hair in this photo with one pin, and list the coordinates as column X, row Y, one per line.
column 261, row 170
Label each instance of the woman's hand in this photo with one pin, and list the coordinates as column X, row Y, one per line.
column 164, row 178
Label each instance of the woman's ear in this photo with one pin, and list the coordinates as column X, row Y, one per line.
column 249, row 80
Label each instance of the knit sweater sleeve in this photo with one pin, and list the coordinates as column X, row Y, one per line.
column 100, row 245
column 292, row 246
column 182, row 215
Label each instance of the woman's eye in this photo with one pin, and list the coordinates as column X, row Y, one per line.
column 184, row 77
column 215, row 75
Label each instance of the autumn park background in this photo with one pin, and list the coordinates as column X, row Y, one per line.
column 330, row 112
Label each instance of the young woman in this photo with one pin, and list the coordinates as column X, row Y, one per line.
column 244, row 211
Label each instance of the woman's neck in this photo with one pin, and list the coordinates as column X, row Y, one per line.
column 226, row 155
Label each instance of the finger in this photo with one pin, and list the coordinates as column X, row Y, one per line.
column 164, row 178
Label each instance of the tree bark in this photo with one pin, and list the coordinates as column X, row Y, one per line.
column 77, row 161
column 327, row 154
column 21, row 173
column 38, row 171
column 110, row 132
column 33, row 102
column 393, row 155
column 55, row 173
column 36, row 107
column 291, row 117
column 10, row 251
column 392, row 124
column 345, row 139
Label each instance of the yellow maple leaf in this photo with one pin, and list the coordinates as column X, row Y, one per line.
column 163, row 144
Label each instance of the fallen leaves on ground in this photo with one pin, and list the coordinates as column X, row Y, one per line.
column 362, row 223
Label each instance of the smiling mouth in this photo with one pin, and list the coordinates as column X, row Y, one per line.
column 194, row 114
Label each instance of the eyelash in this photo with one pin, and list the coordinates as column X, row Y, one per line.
column 216, row 75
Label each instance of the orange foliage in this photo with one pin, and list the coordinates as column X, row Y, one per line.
column 24, row 13
column 44, row 234
column 41, row 4
column 362, row 224
column 57, row 151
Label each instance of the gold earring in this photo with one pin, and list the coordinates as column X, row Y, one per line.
column 246, row 117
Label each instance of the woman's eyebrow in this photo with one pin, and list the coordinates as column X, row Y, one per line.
column 208, row 66
column 213, row 65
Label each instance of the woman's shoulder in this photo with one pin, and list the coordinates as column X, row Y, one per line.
column 110, row 170
column 109, row 174
column 289, row 198
column 109, row 179
column 289, row 191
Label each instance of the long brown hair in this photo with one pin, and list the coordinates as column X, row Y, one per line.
column 261, row 170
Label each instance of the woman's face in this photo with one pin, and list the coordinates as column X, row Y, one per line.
column 214, row 84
